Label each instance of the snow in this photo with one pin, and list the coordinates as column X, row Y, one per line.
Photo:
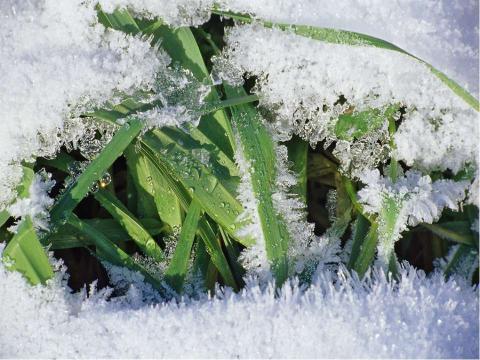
column 56, row 63
column 410, row 200
column 420, row 317
column 443, row 33
column 302, row 80
column 36, row 204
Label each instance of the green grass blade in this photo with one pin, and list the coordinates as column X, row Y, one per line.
column 208, row 184
column 360, row 233
column 140, row 173
column 68, row 237
column 367, row 251
column 258, row 150
column 131, row 225
column 456, row 231
column 110, row 252
column 298, row 156
column 336, row 36
column 70, row 198
column 212, row 244
column 168, row 206
column 25, row 254
column 120, row 19
column 178, row 267
column 214, row 249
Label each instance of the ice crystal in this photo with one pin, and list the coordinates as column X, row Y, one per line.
column 418, row 317
column 308, row 84
column 36, row 204
column 409, row 201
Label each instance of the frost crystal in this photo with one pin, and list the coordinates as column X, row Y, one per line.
column 57, row 62
column 253, row 258
column 424, row 317
column 36, row 205
column 408, row 201
column 308, row 84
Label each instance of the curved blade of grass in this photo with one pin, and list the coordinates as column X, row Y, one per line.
column 120, row 19
column 68, row 237
column 178, row 267
column 258, row 150
column 456, row 231
column 110, row 252
column 352, row 38
column 70, row 198
column 25, row 254
column 130, row 224
column 212, row 244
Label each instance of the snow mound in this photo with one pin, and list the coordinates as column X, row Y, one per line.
column 302, row 80
column 444, row 33
column 420, row 317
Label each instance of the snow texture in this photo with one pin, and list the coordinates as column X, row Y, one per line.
column 302, row 80
column 443, row 33
column 56, row 63
column 421, row 317
column 408, row 201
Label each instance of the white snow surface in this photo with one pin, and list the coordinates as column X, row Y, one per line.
column 442, row 32
column 421, row 317
column 302, row 80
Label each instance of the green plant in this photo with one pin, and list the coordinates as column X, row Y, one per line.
column 180, row 205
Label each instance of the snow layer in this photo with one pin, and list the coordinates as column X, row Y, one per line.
column 418, row 318
column 444, row 33
column 56, row 62
column 302, row 80
column 176, row 13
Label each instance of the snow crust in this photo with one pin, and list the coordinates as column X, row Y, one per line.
column 443, row 33
column 420, row 317
column 302, row 80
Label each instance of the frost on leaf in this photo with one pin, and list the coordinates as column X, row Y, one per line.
column 410, row 200
column 36, row 205
column 57, row 62
column 309, row 85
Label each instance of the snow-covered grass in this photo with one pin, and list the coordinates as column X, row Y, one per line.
column 130, row 140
